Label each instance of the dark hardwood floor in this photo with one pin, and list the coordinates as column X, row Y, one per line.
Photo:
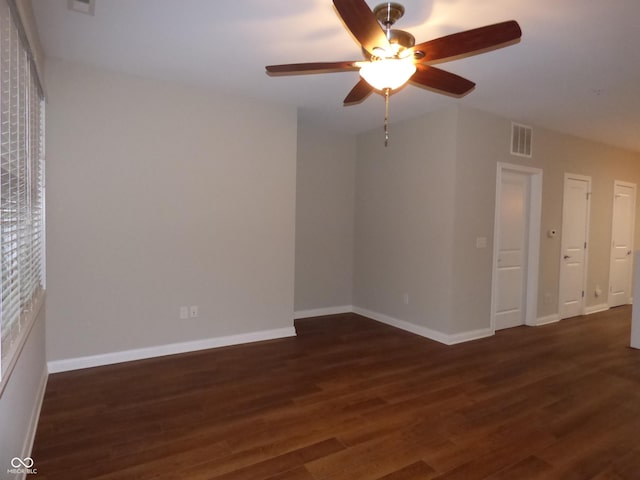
column 353, row 399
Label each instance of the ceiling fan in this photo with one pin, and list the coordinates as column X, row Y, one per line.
column 392, row 57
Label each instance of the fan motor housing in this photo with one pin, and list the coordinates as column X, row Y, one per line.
column 402, row 38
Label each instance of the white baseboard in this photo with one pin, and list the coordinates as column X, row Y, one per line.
column 426, row 332
column 321, row 312
column 470, row 335
column 56, row 366
column 35, row 415
column 553, row 318
column 596, row 308
column 402, row 325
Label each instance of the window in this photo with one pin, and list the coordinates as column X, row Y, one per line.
column 21, row 189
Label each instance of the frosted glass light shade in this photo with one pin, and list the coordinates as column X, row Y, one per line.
column 389, row 73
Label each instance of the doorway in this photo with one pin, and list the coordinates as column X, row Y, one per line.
column 573, row 250
column 516, row 246
column 622, row 228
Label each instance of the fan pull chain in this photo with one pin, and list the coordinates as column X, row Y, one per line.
column 386, row 116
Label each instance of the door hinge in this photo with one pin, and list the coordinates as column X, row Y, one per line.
column 582, row 293
column 585, row 245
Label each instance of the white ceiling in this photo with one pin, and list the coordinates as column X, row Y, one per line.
column 576, row 70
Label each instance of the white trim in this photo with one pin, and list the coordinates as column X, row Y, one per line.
column 67, row 364
column 403, row 325
column 633, row 228
column 37, row 304
column 601, row 307
column 533, row 260
column 27, row 447
column 533, row 240
column 585, row 269
column 321, row 312
column 469, row 335
column 553, row 318
column 634, row 341
column 425, row 331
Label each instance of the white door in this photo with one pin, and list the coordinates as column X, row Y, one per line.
column 513, row 218
column 623, row 224
column 575, row 231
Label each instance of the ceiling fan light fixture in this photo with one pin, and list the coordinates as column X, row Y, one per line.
column 380, row 52
column 387, row 73
column 393, row 58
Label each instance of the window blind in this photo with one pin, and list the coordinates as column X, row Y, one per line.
column 21, row 189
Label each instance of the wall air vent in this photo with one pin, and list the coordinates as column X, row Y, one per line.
column 87, row 7
column 521, row 140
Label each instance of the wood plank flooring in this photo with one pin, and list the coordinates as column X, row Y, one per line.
column 352, row 399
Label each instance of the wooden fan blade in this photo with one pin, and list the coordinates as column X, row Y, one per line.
column 317, row 67
column 358, row 93
column 470, row 42
column 363, row 24
column 432, row 77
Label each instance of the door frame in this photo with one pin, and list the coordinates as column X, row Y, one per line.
column 533, row 240
column 633, row 218
column 586, row 233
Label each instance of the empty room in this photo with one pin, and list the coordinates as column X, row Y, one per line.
column 319, row 240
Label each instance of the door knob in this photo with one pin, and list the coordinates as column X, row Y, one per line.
column 566, row 257
column 629, row 252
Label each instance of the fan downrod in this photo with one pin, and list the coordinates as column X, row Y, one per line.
column 388, row 13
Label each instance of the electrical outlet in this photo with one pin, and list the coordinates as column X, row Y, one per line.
column 193, row 311
column 405, row 298
column 184, row 313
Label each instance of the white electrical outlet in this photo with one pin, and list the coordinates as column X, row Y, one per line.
column 405, row 298
column 184, row 313
column 193, row 311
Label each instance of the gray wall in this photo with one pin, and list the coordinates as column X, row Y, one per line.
column 161, row 196
column 188, row 199
column 477, row 155
column 483, row 140
column 404, row 221
column 422, row 202
column 604, row 164
column 325, row 179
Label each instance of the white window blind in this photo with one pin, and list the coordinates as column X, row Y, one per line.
column 21, row 189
